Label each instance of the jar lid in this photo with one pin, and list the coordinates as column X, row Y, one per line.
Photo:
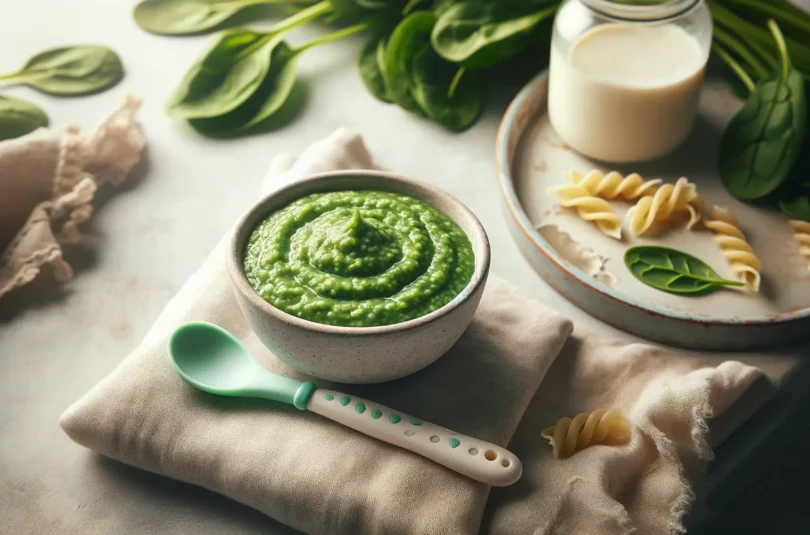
column 641, row 10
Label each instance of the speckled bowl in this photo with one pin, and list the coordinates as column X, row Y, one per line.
column 359, row 354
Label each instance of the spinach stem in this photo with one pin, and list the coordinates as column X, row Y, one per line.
column 302, row 17
column 780, row 44
column 11, row 75
column 334, row 36
column 737, row 46
column 736, row 67
column 783, row 14
column 410, row 6
column 743, row 28
column 299, row 19
column 454, row 83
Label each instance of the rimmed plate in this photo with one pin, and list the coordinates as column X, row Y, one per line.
column 588, row 269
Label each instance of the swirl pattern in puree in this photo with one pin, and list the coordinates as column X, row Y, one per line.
column 358, row 258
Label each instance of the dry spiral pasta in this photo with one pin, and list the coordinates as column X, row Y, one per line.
column 590, row 208
column 569, row 436
column 667, row 201
column 736, row 249
column 613, row 184
column 802, row 235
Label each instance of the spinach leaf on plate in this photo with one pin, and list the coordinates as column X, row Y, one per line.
column 673, row 271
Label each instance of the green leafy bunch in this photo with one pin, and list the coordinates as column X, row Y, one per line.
column 425, row 57
column 765, row 150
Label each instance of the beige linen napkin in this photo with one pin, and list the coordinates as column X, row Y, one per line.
column 642, row 487
column 322, row 478
column 47, row 183
column 300, row 468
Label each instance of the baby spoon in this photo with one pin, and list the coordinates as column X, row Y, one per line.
column 209, row 358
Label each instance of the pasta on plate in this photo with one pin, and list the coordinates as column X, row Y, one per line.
column 736, row 249
column 802, row 235
column 601, row 426
column 590, row 208
column 667, row 202
column 613, row 184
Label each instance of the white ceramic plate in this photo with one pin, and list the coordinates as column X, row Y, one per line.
column 588, row 268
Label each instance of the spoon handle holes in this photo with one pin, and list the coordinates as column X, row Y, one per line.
column 424, row 438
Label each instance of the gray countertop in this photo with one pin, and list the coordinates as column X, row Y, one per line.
column 147, row 238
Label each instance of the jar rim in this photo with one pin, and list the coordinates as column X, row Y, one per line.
column 652, row 10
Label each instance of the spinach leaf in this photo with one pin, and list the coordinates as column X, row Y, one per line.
column 371, row 66
column 232, row 69
column 673, row 271
column 438, row 91
column 19, row 117
column 225, row 76
column 273, row 91
column 481, row 33
column 411, row 36
column 361, row 10
column 421, row 81
column 763, row 141
column 263, row 103
column 183, row 17
column 796, row 203
column 70, row 70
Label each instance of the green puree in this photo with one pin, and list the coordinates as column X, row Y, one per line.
column 358, row 258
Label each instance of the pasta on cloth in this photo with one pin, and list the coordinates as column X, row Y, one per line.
column 47, row 183
column 320, row 477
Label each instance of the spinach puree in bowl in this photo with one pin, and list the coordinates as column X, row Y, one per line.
column 358, row 258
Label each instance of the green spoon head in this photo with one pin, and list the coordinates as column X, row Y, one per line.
column 209, row 358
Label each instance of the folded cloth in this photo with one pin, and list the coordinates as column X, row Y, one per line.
column 47, row 183
column 642, row 487
column 300, row 468
column 319, row 477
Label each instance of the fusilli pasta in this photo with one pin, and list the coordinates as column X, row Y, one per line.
column 590, row 208
column 802, row 236
column 570, row 436
column 663, row 204
column 612, row 184
column 736, row 249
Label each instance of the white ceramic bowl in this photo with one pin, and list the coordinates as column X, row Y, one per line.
column 360, row 354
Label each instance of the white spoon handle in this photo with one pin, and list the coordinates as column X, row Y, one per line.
column 474, row 458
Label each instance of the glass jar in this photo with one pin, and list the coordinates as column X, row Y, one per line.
column 624, row 79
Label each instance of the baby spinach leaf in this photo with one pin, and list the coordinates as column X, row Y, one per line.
column 763, row 141
column 421, row 81
column 70, row 70
column 481, row 33
column 273, row 92
column 371, row 66
column 361, row 10
column 437, row 90
column 230, row 71
column 225, row 76
column 411, row 36
column 796, row 203
column 673, row 271
column 183, row 17
column 19, row 117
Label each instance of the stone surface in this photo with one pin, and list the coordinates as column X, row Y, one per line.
column 145, row 240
